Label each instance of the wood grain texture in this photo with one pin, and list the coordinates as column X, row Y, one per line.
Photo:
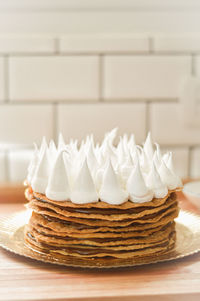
column 25, row 279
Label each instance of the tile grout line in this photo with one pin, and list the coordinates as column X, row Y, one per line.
column 193, row 64
column 101, row 77
column 55, row 122
column 151, row 45
column 57, row 52
column 56, row 46
column 76, row 101
column 6, row 79
column 147, row 119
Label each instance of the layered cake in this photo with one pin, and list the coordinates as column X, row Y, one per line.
column 102, row 200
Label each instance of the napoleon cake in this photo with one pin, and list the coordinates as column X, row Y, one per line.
column 102, row 200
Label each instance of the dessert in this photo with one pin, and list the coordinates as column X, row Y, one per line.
column 102, row 200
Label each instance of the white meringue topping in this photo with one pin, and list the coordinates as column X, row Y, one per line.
column 167, row 176
column 84, row 189
column 41, row 175
column 61, row 142
column 111, row 191
column 43, row 146
column 107, row 172
column 33, row 164
column 58, row 188
column 148, row 147
column 154, row 182
column 136, row 187
column 170, row 165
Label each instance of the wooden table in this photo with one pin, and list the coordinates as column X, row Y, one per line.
column 26, row 279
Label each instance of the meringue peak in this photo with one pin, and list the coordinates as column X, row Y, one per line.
column 58, row 185
column 105, row 171
column 84, row 189
column 61, row 141
column 41, row 175
column 148, row 147
column 136, row 187
column 111, row 191
column 167, row 176
column 33, row 164
column 158, row 151
column 43, row 146
column 155, row 183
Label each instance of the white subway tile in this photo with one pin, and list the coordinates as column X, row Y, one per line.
column 197, row 66
column 25, row 124
column 2, row 79
column 144, row 76
column 26, row 44
column 54, row 78
column 180, row 159
column 104, row 43
column 3, row 174
column 167, row 125
column 18, row 164
column 195, row 163
column 79, row 120
column 177, row 43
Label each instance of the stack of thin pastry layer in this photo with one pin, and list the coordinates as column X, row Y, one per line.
column 100, row 229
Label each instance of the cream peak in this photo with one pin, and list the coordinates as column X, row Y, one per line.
column 43, row 146
column 154, row 182
column 110, row 136
column 84, row 189
column 169, row 162
column 136, row 187
column 58, row 185
column 91, row 159
column 167, row 176
column 148, row 147
column 52, row 149
column 156, row 160
column 158, row 151
column 131, row 142
column 41, row 175
column 33, row 164
column 111, row 191
column 61, row 142
column 35, row 153
column 170, row 165
column 144, row 162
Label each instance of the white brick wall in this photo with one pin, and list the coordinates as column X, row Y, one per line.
column 26, row 44
column 91, row 83
column 2, row 79
column 177, row 43
column 23, row 124
column 167, row 125
column 144, row 76
column 53, row 78
column 18, row 163
column 103, row 43
column 79, row 120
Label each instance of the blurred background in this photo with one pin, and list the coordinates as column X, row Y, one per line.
column 85, row 66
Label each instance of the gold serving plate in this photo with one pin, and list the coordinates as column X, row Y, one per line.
column 187, row 243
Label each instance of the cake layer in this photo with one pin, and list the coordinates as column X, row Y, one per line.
column 128, row 252
column 99, row 232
